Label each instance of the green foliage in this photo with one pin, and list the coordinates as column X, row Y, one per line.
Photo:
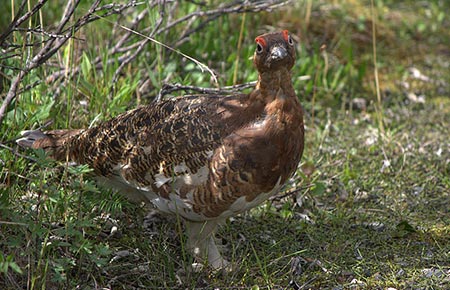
column 56, row 220
column 7, row 263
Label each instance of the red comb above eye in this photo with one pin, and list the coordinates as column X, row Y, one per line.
column 261, row 41
column 285, row 34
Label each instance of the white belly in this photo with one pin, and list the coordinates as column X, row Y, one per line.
column 174, row 204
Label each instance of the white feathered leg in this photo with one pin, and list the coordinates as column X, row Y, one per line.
column 201, row 243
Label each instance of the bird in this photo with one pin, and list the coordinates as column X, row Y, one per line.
column 204, row 158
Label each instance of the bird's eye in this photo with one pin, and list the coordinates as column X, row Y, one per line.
column 287, row 37
column 290, row 41
column 259, row 48
column 260, row 44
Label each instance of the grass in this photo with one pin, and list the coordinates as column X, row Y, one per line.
column 373, row 209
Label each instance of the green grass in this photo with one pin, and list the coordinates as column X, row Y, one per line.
column 372, row 211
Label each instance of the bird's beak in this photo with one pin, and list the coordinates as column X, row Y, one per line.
column 278, row 52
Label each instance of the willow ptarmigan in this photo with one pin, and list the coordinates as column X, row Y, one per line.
column 204, row 158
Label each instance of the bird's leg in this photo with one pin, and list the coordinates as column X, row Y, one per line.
column 201, row 243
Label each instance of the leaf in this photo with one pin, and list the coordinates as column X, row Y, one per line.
column 8, row 263
column 79, row 169
column 85, row 66
column 406, row 227
column 286, row 211
column 66, row 54
column 421, row 27
column 319, row 188
column 43, row 112
column 403, row 229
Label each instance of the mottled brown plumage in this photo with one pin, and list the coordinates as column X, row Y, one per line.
column 204, row 158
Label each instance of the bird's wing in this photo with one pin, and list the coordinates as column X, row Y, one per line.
column 153, row 143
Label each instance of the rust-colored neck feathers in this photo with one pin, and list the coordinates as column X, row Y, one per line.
column 274, row 58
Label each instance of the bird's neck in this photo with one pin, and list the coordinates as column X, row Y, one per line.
column 273, row 85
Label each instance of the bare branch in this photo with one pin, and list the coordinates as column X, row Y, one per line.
column 141, row 44
column 54, row 43
column 17, row 21
column 121, row 47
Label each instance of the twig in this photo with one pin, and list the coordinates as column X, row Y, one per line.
column 13, row 223
column 14, row 151
column 39, row 30
column 141, row 45
column 290, row 192
column 379, row 107
column 17, row 21
column 53, row 44
column 201, row 65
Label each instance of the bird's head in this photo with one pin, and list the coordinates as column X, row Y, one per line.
column 274, row 51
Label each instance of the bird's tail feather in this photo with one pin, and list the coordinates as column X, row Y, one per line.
column 53, row 142
column 29, row 138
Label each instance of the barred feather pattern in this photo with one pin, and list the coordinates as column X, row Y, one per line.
column 205, row 157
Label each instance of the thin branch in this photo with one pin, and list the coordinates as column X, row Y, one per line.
column 118, row 46
column 290, row 193
column 40, row 31
column 14, row 151
column 129, row 56
column 17, row 21
column 142, row 44
column 54, row 43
